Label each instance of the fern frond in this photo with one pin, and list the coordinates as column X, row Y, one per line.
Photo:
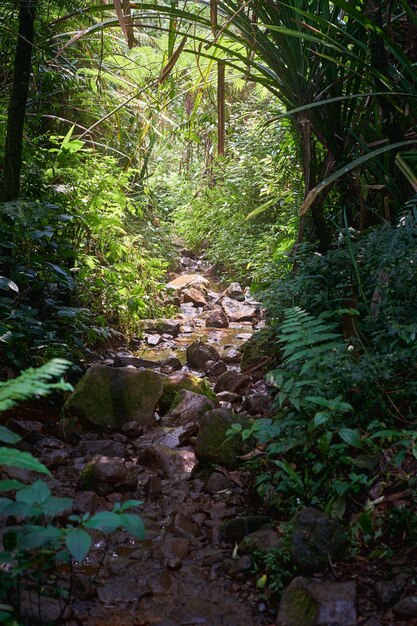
column 33, row 382
column 306, row 338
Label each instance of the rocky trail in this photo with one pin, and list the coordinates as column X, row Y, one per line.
column 150, row 424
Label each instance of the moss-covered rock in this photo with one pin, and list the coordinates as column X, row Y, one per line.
column 260, row 346
column 213, row 446
column 106, row 474
column 107, row 396
column 182, row 380
column 188, row 407
column 298, row 607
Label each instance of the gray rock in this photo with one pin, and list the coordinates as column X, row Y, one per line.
column 257, row 404
column 212, row 445
column 161, row 327
column 166, row 461
column 178, row 381
column 406, row 607
column 231, row 356
column 235, row 291
column 372, row 622
column 195, row 296
column 153, row 340
column 389, row 591
column 234, row 530
column 238, row 311
column 316, row 538
column 171, row 364
column 232, row 381
column 188, row 407
column 89, row 502
column 241, row 567
column 198, row 353
column 218, row 482
column 309, row 603
column 101, row 447
column 228, row 396
column 216, row 369
column 107, row 396
column 121, row 360
column 217, row 318
column 263, row 540
column 105, row 474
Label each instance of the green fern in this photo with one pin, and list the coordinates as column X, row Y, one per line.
column 306, row 338
column 33, row 382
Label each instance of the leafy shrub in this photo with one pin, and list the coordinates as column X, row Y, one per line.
column 40, row 540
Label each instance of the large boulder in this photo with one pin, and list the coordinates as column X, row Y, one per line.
column 173, row 383
column 106, row 474
column 235, row 291
column 195, row 296
column 107, row 396
column 187, row 280
column 198, row 353
column 232, row 381
column 217, row 318
column 316, row 538
column 308, row 602
column 167, row 461
column 238, row 311
column 213, row 445
column 188, row 407
column 161, row 326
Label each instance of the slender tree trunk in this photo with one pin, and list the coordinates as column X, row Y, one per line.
column 18, row 101
column 221, row 123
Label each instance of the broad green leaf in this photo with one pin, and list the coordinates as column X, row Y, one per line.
column 37, row 493
column 129, row 504
column 38, row 536
column 10, row 485
column 24, row 460
column 78, row 542
column 351, row 436
column 53, row 506
column 133, row 524
column 8, row 436
column 107, row 521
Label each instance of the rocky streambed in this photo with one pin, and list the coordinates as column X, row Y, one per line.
column 150, row 424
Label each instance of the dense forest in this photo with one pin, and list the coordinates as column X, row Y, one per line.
column 208, row 312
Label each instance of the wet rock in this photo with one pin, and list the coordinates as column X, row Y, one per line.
column 171, row 364
column 121, row 360
column 232, row 381
column 153, row 340
column 172, row 548
column 123, row 589
column 228, row 396
column 218, row 482
column 236, row 529
column 238, row 311
column 188, row 407
column 174, row 383
column 241, row 567
column 263, row 540
column 316, row 538
column 195, row 296
column 231, row 356
column 89, row 502
column 215, row 369
column 217, row 318
column 213, row 446
column 161, row 327
column 167, row 461
column 235, row 291
column 198, row 353
column 183, row 526
column 107, row 396
column 308, row 603
column 406, row 607
column 389, row 591
column 101, row 447
column 257, row 404
column 187, row 280
column 106, row 474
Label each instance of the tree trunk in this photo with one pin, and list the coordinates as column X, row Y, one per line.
column 18, row 101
